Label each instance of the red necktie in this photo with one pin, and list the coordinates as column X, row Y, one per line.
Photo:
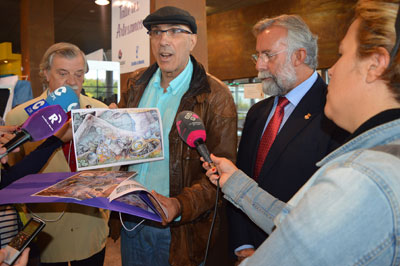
column 69, row 152
column 269, row 135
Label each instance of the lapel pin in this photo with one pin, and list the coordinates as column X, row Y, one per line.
column 307, row 116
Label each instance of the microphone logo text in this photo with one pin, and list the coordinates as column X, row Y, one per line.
column 55, row 118
column 60, row 91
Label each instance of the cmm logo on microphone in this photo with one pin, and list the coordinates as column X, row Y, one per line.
column 36, row 106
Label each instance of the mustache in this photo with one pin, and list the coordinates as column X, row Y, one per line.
column 74, row 87
column 165, row 50
column 266, row 74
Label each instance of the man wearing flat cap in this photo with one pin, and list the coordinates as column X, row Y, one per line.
column 177, row 82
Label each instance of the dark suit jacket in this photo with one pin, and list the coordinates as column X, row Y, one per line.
column 299, row 145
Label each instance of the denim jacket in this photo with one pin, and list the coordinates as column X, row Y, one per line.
column 348, row 213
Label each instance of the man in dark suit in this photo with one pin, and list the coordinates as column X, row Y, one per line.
column 286, row 134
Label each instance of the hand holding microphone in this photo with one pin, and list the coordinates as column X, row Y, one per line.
column 222, row 170
column 191, row 130
column 6, row 134
column 40, row 125
column 65, row 99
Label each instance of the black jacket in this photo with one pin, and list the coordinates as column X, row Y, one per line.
column 306, row 137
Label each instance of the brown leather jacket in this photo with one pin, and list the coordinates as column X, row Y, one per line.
column 212, row 101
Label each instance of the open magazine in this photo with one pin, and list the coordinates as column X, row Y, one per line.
column 114, row 185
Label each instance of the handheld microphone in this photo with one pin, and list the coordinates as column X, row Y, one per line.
column 30, row 109
column 191, row 130
column 40, row 125
column 65, row 97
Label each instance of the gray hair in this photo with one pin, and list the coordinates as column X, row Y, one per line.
column 63, row 49
column 299, row 36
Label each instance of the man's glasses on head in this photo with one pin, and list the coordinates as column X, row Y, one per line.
column 172, row 32
column 264, row 56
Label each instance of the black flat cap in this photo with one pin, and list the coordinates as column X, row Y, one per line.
column 170, row 15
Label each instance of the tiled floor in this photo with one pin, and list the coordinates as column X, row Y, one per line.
column 113, row 253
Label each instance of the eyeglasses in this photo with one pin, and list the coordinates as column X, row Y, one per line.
column 264, row 56
column 172, row 32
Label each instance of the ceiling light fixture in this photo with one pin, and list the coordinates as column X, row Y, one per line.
column 102, row 2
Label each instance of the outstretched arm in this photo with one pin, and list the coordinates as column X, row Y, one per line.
column 245, row 194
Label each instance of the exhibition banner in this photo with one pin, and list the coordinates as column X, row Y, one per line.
column 130, row 43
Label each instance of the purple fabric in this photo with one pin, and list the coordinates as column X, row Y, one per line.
column 21, row 190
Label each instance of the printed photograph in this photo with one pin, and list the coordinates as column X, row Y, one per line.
column 86, row 185
column 112, row 137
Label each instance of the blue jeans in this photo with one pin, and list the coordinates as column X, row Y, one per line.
column 146, row 245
